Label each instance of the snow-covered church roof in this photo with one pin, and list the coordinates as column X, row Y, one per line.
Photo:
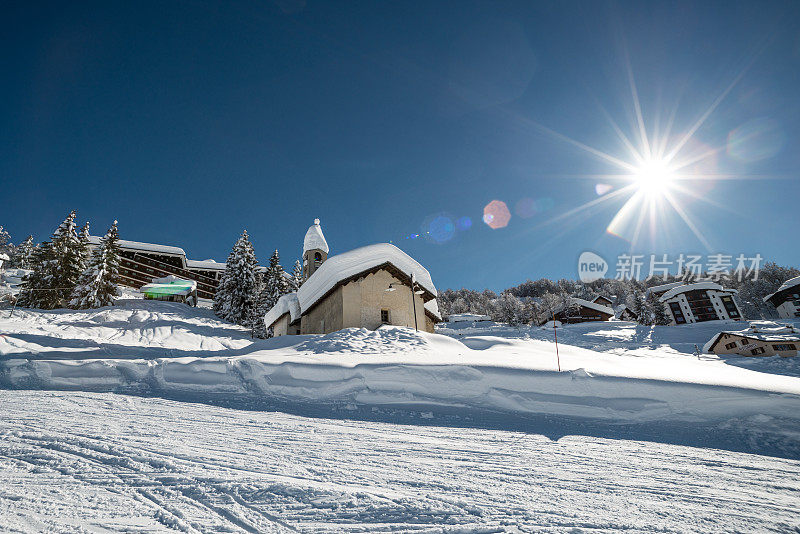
column 348, row 264
column 286, row 304
column 314, row 239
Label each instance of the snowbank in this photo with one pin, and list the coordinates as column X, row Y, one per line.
column 622, row 372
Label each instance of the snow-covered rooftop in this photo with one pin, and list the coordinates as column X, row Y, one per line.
column 205, row 264
column 144, row 247
column 791, row 282
column 683, row 288
column 343, row 266
column 432, row 307
column 4, row 257
column 590, row 305
column 314, row 239
column 286, row 304
column 664, row 287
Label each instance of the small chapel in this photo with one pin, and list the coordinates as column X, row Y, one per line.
column 367, row 287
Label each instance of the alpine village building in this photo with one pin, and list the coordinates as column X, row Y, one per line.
column 783, row 341
column 786, row 299
column 697, row 302
column 364, row 288
column 140, row 263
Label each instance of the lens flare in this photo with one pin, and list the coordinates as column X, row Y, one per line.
column 756, row 140
column 496, row 214
column 525, row 208
column 464, row 223
column 439, row 228
column 602, row 189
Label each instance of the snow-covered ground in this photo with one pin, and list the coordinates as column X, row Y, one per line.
column 99, row 462
column 180, row 421
column 613, row 373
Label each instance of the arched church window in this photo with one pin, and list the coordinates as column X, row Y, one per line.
column 317, row 257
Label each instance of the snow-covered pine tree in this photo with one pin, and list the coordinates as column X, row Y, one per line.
column 23, row 254
column 222, row 294
column 57, row 268
column 274, row 287
column 97, row 285
column 35, row 293
column 84, row 247
column 6, row 246
column 297, row 275
column 636, row 304
column 235, row 300
column 660, row 316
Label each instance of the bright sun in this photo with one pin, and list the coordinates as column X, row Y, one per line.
column 653, row 178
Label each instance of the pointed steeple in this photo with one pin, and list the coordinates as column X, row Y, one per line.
column 315, row 249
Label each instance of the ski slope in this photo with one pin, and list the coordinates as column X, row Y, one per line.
column 99, row 462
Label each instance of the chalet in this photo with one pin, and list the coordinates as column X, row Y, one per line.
column 787, row 298
column 580, row 311
column 603, row 301
column 624, row 313
column 697, row 302
column 364, row 288
column 783, row 341
column 141, row 262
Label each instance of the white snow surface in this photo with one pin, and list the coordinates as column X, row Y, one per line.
column 472, row 429
column 343, row 266
column 99, row 462
column 315, row 239
column 613, row 371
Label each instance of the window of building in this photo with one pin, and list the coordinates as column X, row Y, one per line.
column 730, row 345
column 677, row 313
column 384, row 316
column 317, row 257
column 730, row 307
column 784, row 346
column 758, row 350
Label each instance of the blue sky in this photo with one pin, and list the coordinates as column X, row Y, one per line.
column 189, row 122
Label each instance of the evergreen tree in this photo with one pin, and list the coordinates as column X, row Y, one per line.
column 84, row 246
column 637, row 305
column 6, row 246
column 34, row 294
column 660, row 316
column 57, row 268
column 23, row 254
column 97, row 285
column 237, row 293
column 297, row 276
column 274, row 287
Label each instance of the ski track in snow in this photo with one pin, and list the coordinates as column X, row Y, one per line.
column 99, row 462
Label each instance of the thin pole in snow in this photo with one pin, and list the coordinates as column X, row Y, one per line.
column 414, row 301
column 555, row 333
